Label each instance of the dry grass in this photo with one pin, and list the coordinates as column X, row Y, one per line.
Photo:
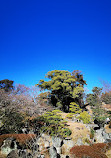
column 89, row 109
column 94, row 151
column 107, row 129
column 63, row 115
column 108, row 153
column 107, row 106
column 78, row 129
column 2, row 155
column 21, row 138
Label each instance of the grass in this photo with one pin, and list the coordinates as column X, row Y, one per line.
column 95, row 151
column 107, row 129
column 78, row 129
column 2, row 155
column 21, row 138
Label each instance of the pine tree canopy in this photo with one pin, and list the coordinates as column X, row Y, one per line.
column 64, row 87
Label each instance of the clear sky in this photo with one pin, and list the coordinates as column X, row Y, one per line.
column 42, row 35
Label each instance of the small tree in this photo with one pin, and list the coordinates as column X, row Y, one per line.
column 52, row 124
column 7, row 85
column 74, row 108
column 95, row 101
column 12, row 122
column 85, row 117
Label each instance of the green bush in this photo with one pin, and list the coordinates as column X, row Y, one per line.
column 92, row 133
column 57, row 111
column 70, row 115
column 53, row 124
column 86, row 140
column 85, row 117
column 74, row 108
column 100, row 114
column 12, row 122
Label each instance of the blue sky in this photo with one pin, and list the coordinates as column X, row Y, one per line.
column 39, row 36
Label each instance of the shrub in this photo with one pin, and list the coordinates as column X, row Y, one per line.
column 94, row 151
column 22, row 139
column 86, row 140
column 57, row 111
column 53, row 124
column 70, row 115
column 74, row 108
column 106, row 97
column 92, row 133
column 12, row 122
column 85, row 117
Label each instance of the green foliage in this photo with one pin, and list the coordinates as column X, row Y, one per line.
column 106, row 97
column 53, row 124
column 91, row 99
column 78, row 77
column 12, row 122
column 43, row 97
column 85, row 117
column 70, row 115
column 64, row 88
column 92, row 132
column 95, row 100
column 86, row 140
column 57, row 111
column 74, row 108
column 67, row 132
column 7, row 85
column 100, row 114
column 97, row 91
column 77, row 91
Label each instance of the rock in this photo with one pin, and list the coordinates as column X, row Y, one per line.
column 47, row 144
column 13, row 154
column 109, row 135
column 53, row 152
column 67, row 145
column 79, row 142
column 64, row 156
column 99, row 136
column 74, row 119
column 56, row 141
column 45, row 136
column 105, row 135
column 44, row 141
column 22, row 153
column 8, row 145
column 34, row 147
column 58, row 150
column 29, row 155
column 25, row 154
column 107, row 120
column 25, row 131
column 108, row 141
column 41, row 143
column 40, row 156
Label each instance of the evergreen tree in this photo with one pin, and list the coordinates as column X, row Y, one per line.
column 95, row 101
column 63, row 87
column 7, row 85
